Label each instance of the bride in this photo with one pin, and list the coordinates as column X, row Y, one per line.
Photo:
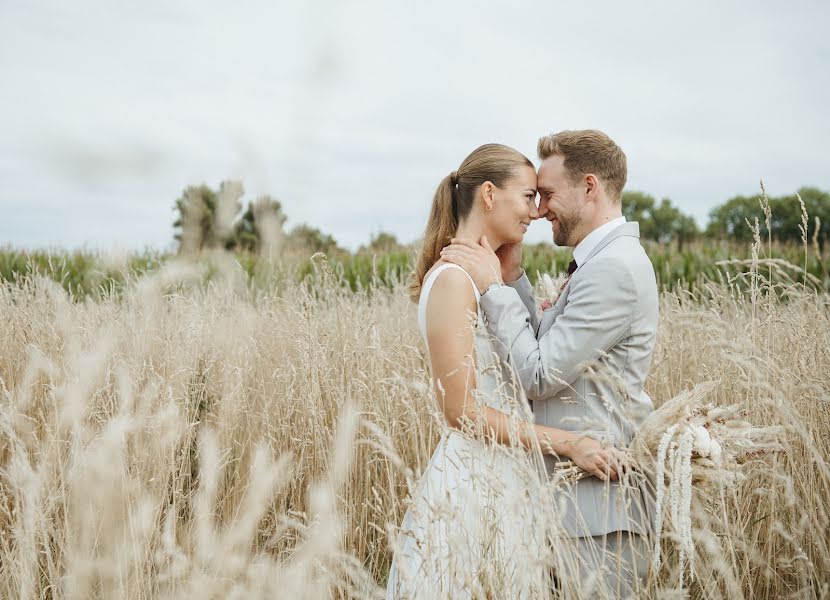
column 474, row 527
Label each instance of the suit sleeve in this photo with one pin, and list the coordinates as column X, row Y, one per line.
column 525, row 291
column 597, row 315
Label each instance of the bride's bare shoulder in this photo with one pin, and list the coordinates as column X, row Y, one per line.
column 433, row 268
column 450, row 289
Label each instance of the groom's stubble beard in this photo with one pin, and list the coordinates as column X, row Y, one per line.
column 568, row 224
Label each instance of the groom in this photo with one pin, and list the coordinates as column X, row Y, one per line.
column 583, row 361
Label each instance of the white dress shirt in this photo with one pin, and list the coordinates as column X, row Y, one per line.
column 586, row 246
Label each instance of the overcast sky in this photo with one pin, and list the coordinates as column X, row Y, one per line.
column 350, row 113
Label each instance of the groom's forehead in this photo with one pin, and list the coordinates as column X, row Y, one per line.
column 552, row 162
column 546, row 170
column 551, row 167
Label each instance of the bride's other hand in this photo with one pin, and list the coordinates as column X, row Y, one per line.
column 510, row 257
column 479, row 260
column 592, row 457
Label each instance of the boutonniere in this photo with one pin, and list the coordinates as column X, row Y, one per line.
column 548, row 289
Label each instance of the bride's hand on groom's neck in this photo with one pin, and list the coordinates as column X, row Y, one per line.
column 479, row 260
column 510, row 258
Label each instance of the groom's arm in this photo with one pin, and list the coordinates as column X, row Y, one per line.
column 525, row 291
column 597, row 316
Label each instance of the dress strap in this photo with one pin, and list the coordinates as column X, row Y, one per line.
column 427, row 286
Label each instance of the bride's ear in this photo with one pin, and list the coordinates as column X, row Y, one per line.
column 488, row 195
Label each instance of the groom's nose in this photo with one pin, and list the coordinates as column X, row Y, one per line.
column 542, row 210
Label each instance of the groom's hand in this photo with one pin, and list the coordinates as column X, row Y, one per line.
column 595, row 458
column 510, row 257
column 479, row 260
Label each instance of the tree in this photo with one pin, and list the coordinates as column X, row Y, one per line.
column 637, row 206
column 260, row 227
column 672, row 225
column 662, row 222
column 787, row 215
column 686, row 230
column 310, row 239
column 729, row 220
column 206, row 218
column 382, row 243
column 209, row 219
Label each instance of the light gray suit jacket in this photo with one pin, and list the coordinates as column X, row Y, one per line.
column 583, row 365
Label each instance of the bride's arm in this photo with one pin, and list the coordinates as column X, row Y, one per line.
column 451, row 310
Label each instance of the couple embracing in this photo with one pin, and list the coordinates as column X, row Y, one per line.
column 523, row 390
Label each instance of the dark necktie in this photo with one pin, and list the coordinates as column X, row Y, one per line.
column 571, row 268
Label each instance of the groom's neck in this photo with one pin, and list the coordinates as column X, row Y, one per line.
column 601, row 218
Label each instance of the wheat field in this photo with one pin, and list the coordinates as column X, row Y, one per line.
column 179, row 439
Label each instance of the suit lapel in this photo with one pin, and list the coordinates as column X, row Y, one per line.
column 630, row 228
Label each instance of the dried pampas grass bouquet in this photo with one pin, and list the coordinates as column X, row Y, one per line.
column 692, row 449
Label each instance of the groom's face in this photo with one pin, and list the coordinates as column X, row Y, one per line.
column 559, row 201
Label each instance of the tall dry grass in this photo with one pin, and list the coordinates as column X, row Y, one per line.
column 238, row 441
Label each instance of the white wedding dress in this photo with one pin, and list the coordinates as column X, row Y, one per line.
column 473, row 528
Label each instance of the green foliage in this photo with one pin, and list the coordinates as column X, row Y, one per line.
column 210, row 220
column 637, row 206
column 205, row 217
column 544, row 258
column 382, row 243
column 307, row 239
column 81, row 273
column 713, row 260
column 692, row 264
column 249, row 230
column 661, row 222
column 788, row 222
column 729, row 220
column 364, row 271
column 87, row 274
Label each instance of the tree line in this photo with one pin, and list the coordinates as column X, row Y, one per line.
column 211, row 219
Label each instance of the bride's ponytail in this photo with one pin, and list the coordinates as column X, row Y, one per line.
column 454, row 200
column 441, row 226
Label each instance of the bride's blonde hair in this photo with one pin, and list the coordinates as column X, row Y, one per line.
column 454, row 200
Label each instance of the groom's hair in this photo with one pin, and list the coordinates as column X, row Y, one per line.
column 588, row 151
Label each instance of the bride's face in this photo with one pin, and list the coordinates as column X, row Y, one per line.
column 514, row 207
